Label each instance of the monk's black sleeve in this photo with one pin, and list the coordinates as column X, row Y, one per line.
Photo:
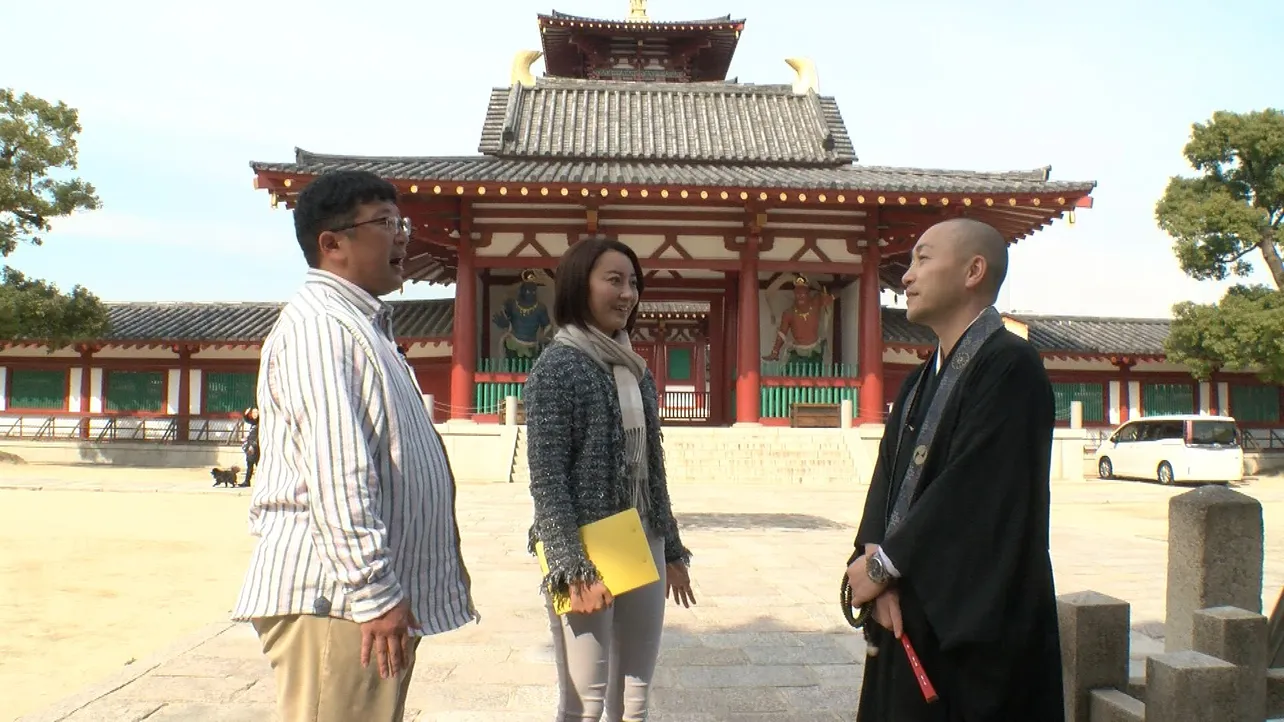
column 873, row 523
column 962, row 545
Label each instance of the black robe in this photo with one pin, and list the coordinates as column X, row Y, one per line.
column 977, row 598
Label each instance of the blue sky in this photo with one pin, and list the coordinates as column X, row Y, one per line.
column 177, row 98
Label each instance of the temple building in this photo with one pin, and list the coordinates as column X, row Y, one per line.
column 766, row 246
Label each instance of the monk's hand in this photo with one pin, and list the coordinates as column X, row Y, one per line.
column 887, row 611
column 590, row 598
column 388, row 637
column 678, row 584
column 863, row 588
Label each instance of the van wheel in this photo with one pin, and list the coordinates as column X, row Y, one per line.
column 1165, row 473
column 1105, row 469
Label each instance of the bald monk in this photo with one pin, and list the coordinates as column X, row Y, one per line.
column 952, row 550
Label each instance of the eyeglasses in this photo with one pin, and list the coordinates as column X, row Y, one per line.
column 391, row 224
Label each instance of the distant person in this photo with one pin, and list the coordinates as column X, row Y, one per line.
column 593, row 437
column 952, row 551
column 358, row 552
column 251, row 444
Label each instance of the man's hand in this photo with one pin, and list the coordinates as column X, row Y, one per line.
column 389, row 638
column 863, row 588
column 678, row 582
column 590, row 598
column 887, row 611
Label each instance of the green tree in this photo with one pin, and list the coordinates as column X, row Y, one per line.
column 37, row 153
column 1222, row 221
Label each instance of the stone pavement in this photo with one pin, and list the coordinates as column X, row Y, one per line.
column 766, row 642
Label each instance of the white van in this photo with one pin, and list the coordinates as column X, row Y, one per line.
column 1174, row 449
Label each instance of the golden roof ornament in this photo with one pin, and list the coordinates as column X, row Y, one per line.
column 806, row 79
column 800, row 280
column 637, row 12
column 520, row 72
column 529, row 276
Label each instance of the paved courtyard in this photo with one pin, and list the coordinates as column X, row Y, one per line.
column 766, row 642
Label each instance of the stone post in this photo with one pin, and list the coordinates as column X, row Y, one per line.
column 1094, row 648
column 1239, row 637
column 846, row 411
column 1191, row 687
column 1214, row 557
column 1111, row 705
column 1076, row 414
column 510, row 411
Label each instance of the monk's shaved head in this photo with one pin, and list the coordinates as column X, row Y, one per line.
column 973, row 238
column 956, row 269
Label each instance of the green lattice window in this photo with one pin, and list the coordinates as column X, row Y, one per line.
column 679, row 364
column 228, row 393
column 1161, row 399
column 38, row 389
column 1091, row 395
column 1255, row 404
column 130, row 391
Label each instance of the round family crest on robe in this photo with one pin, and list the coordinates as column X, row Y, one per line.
column 961, row 360
column 920, row 454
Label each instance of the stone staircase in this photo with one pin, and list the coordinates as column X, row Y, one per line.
column 521, row 472
column 752, row 455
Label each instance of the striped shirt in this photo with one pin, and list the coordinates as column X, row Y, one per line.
column 354, row 508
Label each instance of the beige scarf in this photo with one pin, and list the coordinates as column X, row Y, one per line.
column 616, row 355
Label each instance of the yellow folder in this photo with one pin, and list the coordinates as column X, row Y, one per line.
column 617, row 546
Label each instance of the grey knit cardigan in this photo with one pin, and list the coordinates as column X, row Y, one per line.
column 575, row 451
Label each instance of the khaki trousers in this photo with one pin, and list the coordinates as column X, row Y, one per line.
column 319, row 677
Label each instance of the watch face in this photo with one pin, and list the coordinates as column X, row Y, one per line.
column 877, row 573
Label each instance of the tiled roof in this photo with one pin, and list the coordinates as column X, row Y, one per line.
column 424, row 319
column 724, row 20
column 723, row 122
column 233, row 322
column 898, row 329
column 1080, row 334
column 851, row 178
column 250, row 322
column 575, row 46
column 1053, row 334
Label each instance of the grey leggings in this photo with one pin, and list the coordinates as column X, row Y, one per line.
column 605, row 660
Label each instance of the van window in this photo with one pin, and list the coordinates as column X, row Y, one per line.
column 1129, row 433
column 1214, row 433
column 1166, row 430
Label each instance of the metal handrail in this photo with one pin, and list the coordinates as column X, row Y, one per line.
column 107, row 428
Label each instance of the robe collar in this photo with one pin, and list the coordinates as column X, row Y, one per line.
column 940, row 357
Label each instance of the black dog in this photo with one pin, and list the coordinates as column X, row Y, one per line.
column 225, row 477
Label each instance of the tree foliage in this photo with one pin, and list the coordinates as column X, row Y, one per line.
column 36, row 309
column 1222, row 222
column 1243, row 332
column 37, row 154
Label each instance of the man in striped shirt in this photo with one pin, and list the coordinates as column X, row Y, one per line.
column 358, row 550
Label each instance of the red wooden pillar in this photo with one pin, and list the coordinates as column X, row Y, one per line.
column 1125, row 390
column 717, row 362
column 748, row 366
column 183, row 419
column 871, row 337
column 731, row 347
column 464, row 337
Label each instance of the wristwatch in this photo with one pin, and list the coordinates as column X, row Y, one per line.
column 878, row 573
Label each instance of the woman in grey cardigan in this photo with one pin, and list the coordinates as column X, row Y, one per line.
column 593, row 440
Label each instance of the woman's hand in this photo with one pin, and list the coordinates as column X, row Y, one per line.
column 678, row 584
column 590, row 598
